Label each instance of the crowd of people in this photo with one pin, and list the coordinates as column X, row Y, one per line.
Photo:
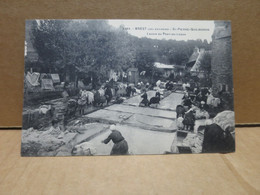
column 196, row 103
column 200, row 99
column 200, row 104
column 108, row 93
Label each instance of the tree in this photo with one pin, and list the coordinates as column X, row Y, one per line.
column 49, row 36
column 93, row 47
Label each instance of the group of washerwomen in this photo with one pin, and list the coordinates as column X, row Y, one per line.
column 95, row 97
column 154, row 100
column 105, row 94
column 202, row 98
column 145, row 101
column 197, row 102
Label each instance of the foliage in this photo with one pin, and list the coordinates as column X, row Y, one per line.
column 94, row 47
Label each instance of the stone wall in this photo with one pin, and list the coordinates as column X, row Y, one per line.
column 221, row 64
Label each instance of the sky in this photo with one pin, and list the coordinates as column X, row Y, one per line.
column 167, row 29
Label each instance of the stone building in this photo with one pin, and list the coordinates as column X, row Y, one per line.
column 221, row 61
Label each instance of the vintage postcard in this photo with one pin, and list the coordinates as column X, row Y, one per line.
column 127, row 87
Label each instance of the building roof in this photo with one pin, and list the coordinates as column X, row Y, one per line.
column 196, row 66
column 163, row 66
column 167, row 66
column 132, row 69
column 194, row 55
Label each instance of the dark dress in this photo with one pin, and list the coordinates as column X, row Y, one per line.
column 157, row 94
column 217, row 140
column 187, row 102
column 108, row 94
column 145, row 99
column 189, row 120
column 120, row 145
column 128, row 91
column 97, row 98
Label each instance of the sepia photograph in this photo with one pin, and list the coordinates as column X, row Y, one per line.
column 127, row 87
